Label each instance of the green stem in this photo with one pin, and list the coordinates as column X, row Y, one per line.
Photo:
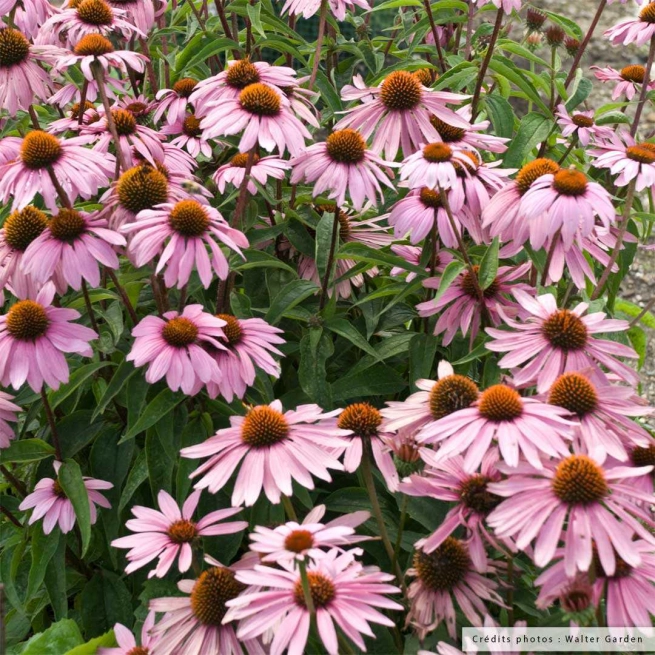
column 553, row 58
column 51, row 422
column 306, row 588
column 485, row 65
column 572, row 145
column 644, row 88
column 319, row 42
column 288, row 508
column 401, row 527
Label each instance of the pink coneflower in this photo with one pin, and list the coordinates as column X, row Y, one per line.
column 555, row 341
column 19, row 230
column 71, row 121
column 497, row 646
column 173, row 102
column 631, row 160
column 75, row 243
column 28, row 15
column 506, row 5
column 628, row 79
column 262, row 168
column 308, row 8
column 568, row 201
column 449, row 481
column 249, row 343
column 34, row 336
column 190, row 136
column 435, row 166
column 274, row 447
column 581, row 125
column 140, row 12
column 398, row 111
column 87, row 17
column 444, row 575
column 71, row 92
column 472, row 136
column 599, row 502
column 519, row 425
column 172, row 346
column 8, row 411
column 412, row 255
column 297, row 541
column 239, row 74
column 406, row 453
column 196, row 624
column 21, row 78
column 342, row 163
column 263, row 114
column 169, row 534
column 634, row 30
column 78, row 170
column 342, row 590
column 436, row 399
column 460, row 308
column 303, row 102
column 49, row 500
column 95, row 47
column 127, row 643
column 189, row 228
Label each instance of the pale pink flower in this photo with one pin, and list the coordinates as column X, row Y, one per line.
column 629, row 78
column 344, row 592
column 8, row 411
column 141, row 13
column 443, row 576
column 638, row 30
column 127, row 642
column 273, row 447
column 303, row 102
column 579, row 501
column 506, row 5
column 551, row 341
column 22, row 80
column 297, row 541
column 343, row 164
column 398, row 111
column 34, row 337
column 412, row 255
column 262, row 168
column 75, row 244
column 472, row 136
column 581, row 124
column 172, row 346
column 71, row 92
column 183, row 231
column 262, row 113
column 29, row 15
column 79, row 171
column 169, row 534
column 249, row 343
column 459, row 307
column 309, row 8
column 173, row 102
column 190, row 136
column 71, row 122
column 436, row 166
column 497, row 647
column 49, row 502
column 631, row 160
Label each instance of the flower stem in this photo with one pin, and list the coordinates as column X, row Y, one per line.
column 319, row 42
column 399, row 536
column 80, row 111
column 510, row 589
column 553, row 59
column 572, row 145
column 288, row 508
column 469, row 31
column 306, row 588
column 643, row 312
column 13, row 481
column 12, row 518
column 123, row 294
column 433, row 27
column 89, row 309
column 330, row 260
column 152, row 78
column 644, row 88
column 51, row 421
column 549, row 256
column 243, row 190
column 485, row 65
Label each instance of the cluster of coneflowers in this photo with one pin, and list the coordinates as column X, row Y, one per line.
column 554, row 462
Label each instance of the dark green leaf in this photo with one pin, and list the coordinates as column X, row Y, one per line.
column 261, row 259
column 27, row 450
column 104, row 601
column 316, row 348
column 580, row 93
column 77, row 378
column 534, row 129
column 363, row 253
column 347, row 330
column 77, row 431
column 501, row 114
column 422, row 350
column 288, row 297
column 448, row 277
column 91, row 647
column 156, row 410
column 59, row 638
column 43, row 548
column 489, row 265
column 324, row 243
column 379, row 380
column 55, row 582
column 70, row 479
column 137, row 476
column 123, row 373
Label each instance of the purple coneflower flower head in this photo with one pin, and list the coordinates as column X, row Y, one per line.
column 449, row 481
column 8, row 411
column 566, row 201
column 468, row 137
column 434, row 167
column 196, row 623
column 303, row 102
column 308, row 8
column 581, row 125
column 579, row 501
column 273, row 448
column 441, row 577
column 629, row 78
column 22, row 80
column 75, row 244
column 49, row 502
column 173, row 102
column 170, row 533
column 141, row 13
column 189, row 228
column 634, row 30
column 412, row 255
column 70, row 93
column 631, row 160
column 263, row 114
column 190, row 136
column 172, row 346
column 127, row 643
column 520, row 426
column 552, row 341
column 398, row 111
column 249, row 343
column 87, row 17
column 342, row 164
column 496, row 647
column 262, row 168
column 29, row 15
column 434, row 400
column 79, row 171
column 34, row 336
column 343, row 592
column 460, row 308
column 71, row 122
column 298, row 541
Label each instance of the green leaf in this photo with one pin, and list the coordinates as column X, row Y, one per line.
column 43, row 548
column 77, row 431
column 59, row 638
column 489, row 265
column 27, row 450
column 448, row 276
column 323, row 243
column 580, row 93
column 316, row 348
column 501, row 114
column 160, row 462
column 191, row 56
column 123, row 373
column 91, row 647
column 254, row 16
column 394, row 4
column 612, row 117
column 632, row 310
column 288, row 297
column 70, row 479
column 347, row 330
column 569, row 26
column 639, row 342
column 156, row 410
column 515, row 76
column 137, row 476
column 378, row 380
column 104, row 601
column 261, row 259
column 363, row 253
column 422, row 350
column 534, row 129
column 478, row 352
column 76, row 379
column 55, row 582
column 458, row 77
